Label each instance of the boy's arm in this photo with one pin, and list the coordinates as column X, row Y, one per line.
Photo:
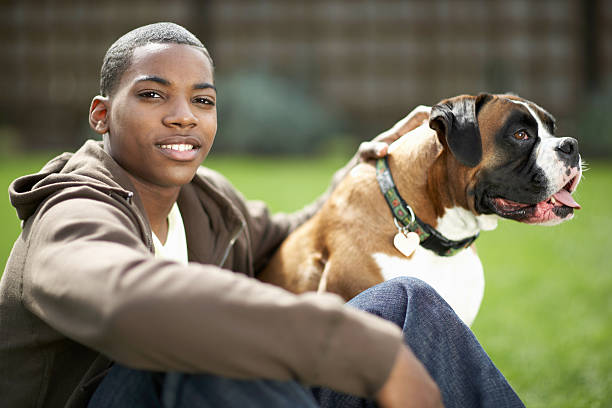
column 268, row 231
column 88, row 275
column 378, row 146
column 373, row 149
column 409, row 384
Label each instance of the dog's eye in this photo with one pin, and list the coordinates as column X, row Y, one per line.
column 521, row 135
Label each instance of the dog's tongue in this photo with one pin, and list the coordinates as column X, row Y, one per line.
column 566, row 198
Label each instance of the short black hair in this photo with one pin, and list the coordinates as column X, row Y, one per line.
column 119, row 55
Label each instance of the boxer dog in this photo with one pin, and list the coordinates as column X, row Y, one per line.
column 417, row 211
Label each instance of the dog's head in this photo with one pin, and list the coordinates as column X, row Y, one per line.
column 506, row 149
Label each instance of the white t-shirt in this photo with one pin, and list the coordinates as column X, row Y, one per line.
column 175, row 247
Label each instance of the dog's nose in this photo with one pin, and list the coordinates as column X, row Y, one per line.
column 568, row 150
column 568, row 145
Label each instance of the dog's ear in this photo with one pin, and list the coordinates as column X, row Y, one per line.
column 456, row 122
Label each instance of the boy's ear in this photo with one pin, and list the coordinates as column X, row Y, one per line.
column 98, row 114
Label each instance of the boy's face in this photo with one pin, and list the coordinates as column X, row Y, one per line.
column 162, row 118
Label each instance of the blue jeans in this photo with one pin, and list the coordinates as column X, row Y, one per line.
column 465, row 374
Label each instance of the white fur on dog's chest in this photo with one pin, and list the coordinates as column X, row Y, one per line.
column 459, row 279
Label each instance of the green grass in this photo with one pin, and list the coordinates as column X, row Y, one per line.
column 547, row 313
column 11, row 168
column 546, row 319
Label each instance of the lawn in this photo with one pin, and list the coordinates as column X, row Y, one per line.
column 546, row 319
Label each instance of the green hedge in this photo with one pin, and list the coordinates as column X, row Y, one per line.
column 262, row 113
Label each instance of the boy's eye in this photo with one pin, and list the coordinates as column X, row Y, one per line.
column 149, row 94
column 204, row 100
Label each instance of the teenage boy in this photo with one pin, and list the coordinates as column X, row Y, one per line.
column 133, row 277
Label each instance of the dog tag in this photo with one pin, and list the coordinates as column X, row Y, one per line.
column 406, row 244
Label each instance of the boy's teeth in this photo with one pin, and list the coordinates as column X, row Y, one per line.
column 177, row 147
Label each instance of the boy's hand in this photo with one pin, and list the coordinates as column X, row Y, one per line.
column 409, row 385
column 377, row 147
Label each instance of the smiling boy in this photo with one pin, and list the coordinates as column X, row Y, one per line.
column 163, row 121
column 132, row 279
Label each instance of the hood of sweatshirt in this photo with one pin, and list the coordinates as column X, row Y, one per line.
column 90, row 166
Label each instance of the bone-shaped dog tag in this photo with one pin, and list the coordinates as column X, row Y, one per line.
column 406, row 244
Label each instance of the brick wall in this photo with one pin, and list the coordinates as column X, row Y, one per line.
column 375, row 60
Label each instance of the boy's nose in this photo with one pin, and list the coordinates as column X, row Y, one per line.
column 181, row 115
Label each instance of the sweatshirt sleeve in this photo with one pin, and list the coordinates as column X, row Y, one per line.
column 88, row 275
column 267, row 231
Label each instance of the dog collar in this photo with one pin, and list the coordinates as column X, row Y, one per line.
column 429, row 237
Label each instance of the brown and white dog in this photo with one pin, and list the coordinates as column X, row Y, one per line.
column 478, row 158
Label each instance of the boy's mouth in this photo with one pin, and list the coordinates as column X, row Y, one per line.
column 177, row 147
column 183, row 151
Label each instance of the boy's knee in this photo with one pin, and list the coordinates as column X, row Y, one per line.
column 412, row 285
column 393, row 298
column 419, row 294
column 396, row 290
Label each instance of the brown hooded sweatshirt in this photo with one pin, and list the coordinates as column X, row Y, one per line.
column 82, row 289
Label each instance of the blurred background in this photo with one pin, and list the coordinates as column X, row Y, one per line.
column 294, row 76
column 302, row 83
